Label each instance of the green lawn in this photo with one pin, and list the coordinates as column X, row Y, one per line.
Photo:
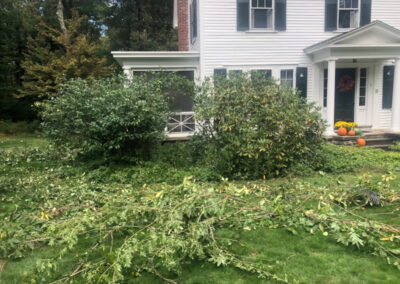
column 302, row 257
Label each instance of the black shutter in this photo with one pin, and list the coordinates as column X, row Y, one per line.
column 193, row 21
column 388, row 78
column 280, row 15
column 301, row 81
column 365, row 12
column 243, row 10
column 331, row 11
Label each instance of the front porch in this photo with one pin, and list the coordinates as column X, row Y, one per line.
column 375, row 139
column 356, row 77
column 181, row 125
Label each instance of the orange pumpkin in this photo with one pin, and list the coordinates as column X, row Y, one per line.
column 342, row 131
column 351, row 133
column 361, row 142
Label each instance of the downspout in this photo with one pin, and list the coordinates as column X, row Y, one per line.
column 175, row 19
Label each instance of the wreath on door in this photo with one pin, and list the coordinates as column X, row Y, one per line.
column 346, row 83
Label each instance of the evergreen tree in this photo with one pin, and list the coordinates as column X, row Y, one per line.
column 54, row 55
column 17, row 21
column 141, row 25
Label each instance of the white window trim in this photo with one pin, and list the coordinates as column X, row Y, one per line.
column 349, row 9
column 359, row 87
column 293, row 76
column 272, row 29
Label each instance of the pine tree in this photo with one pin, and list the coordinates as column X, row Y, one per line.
column 55, row 55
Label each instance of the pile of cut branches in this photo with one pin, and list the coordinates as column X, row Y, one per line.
column 158, row 228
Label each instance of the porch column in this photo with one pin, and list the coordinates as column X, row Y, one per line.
column 127, row 72
column 330, row 107
column 396, row 97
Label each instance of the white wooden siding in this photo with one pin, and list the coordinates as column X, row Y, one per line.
column 221, row 45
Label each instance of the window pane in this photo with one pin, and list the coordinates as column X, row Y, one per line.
column 254, row 3
column 268, row 3
column 363, row 72
column 353, row 19
column 290, row 74
column 362, row 101
column 262, row 19
column 355, row 4
column 362, row 92
column 344, row 19
column 363, row 82
column 344, row 3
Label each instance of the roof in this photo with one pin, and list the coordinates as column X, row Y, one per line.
column 352, row 34
column 155, row 54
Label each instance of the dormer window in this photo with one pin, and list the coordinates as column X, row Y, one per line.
column 348, row 14
column 262, row 16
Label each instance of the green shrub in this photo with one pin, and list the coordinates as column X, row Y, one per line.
column 110, row 115
column 254, row 127
column 345, row 159
column 395, row 147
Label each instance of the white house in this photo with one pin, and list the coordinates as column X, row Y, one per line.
column 342, row 54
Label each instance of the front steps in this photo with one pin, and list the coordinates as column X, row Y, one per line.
column 374, row 139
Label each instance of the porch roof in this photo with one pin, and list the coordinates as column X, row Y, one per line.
column 376, row 40
column 154, row 60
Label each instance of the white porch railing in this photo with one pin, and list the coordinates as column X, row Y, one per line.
column 181, row 124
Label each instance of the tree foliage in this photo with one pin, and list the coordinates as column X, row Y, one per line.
column 255, row 127
column 17, row 21
column 33, row 55
column 129, row 230
column 110, row 115
column 141, row 25
column 54, row 56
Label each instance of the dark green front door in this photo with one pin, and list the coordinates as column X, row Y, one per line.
column 344, row 94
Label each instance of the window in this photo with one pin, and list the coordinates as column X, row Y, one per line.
column 287, row 78
column 193, row 21
column 262, row 16
column 348, row 14
column 388, row 80
column 233, row 73
column 325, row 87
column 261, row 74
column 219, row 75
column 363, row 87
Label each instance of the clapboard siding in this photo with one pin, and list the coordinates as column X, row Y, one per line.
column 387, row 11
column 223, row 45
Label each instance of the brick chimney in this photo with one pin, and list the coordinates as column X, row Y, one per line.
column 183, row 25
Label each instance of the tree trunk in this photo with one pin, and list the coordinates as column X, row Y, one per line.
column 60, row 17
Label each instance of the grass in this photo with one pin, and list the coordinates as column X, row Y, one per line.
column 309, row 258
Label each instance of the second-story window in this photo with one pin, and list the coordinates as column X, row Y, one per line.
column 269, row 15
column 262, row 16
column 348, row 16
